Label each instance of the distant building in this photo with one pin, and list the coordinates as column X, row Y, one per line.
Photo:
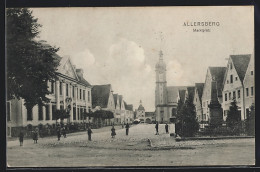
column 239, row 84
column 149, row 117
column 140, row 112
column 70, row 89
column 129, row 113
column 213, row 87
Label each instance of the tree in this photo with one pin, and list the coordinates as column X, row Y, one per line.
column 250, row 121
column 30, row 63
column 179, row 119
column 233, row 117
column 186, row 117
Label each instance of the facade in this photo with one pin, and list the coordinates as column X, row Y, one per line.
column 238, row 84
column 69, row 89
column 249, row 85
column 117, row 119
column 122, row 108
column 197, row 101
column 166, row 97
column 213, row 87
column 149, row 117
column 102, row 98
column 129, row 113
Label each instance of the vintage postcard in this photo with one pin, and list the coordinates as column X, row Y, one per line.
column 130, row 86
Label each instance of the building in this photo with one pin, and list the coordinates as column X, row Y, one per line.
column 197, row 101
column 140, row 112
column 249, row 85
column 102, row 98
column 129, row 113
column 70, row 89
column 149, row 117
column 239, row 84
column 166, row 97
column 213, row 87
column 122, row 108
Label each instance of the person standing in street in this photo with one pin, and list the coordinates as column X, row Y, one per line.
column 21, row 135
column 157, row 127
column 64, row 132
column 113, row 132
column 89, row 133
column 58, row 133
column 166, row 128
column 127, row 128
column 35, row 135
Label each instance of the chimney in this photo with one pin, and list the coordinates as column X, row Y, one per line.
column 80, row 72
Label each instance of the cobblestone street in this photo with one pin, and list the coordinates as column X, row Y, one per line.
column 131, row 150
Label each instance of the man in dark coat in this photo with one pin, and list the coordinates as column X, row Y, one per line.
column 166, row 128
column 89, row 133
column 113, row 132
column 127, row 129
column 58, row 133
column 21, row 135
column 157, row 127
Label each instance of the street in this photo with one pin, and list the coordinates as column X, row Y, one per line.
column 131, row 150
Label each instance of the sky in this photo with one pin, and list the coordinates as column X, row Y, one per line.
column 120, row 45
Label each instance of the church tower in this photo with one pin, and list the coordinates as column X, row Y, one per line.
column 160, row 89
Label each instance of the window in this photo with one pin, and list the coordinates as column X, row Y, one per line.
column 47, row 107
column 52, row 87
column 77, row 93
column 53, row 111
column 227, row 82
column 81, row 113
column 234, row 95
column 29, row 114
column 229, row 96
column 236, row 78
column 8, row 111
column 231, row 79
column 225, row 96
column 74, row 113
column 238, row 94
column 78, row 113
column 231, row 66
column 252, row 72
column 73, row 91
column 67, row 89
column 89, row 97
column 40, row 114
column 80, row 94
column 84, row 95
column 247, row 92
column 252, row 91
column 60, row 88
column 61, row 107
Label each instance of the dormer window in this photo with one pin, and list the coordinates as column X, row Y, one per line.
column 231, row 66
column 252, row 72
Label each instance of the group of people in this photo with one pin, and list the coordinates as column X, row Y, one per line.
column 62, row 131
column 113, row 130
column 157, row 128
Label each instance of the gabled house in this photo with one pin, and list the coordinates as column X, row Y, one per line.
column 129, row 113
column 198, row 102
column 122, row 108
column 249, row 85
column 102, row 98
column 212, row 89
column 189, row 93
column 234, row 83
